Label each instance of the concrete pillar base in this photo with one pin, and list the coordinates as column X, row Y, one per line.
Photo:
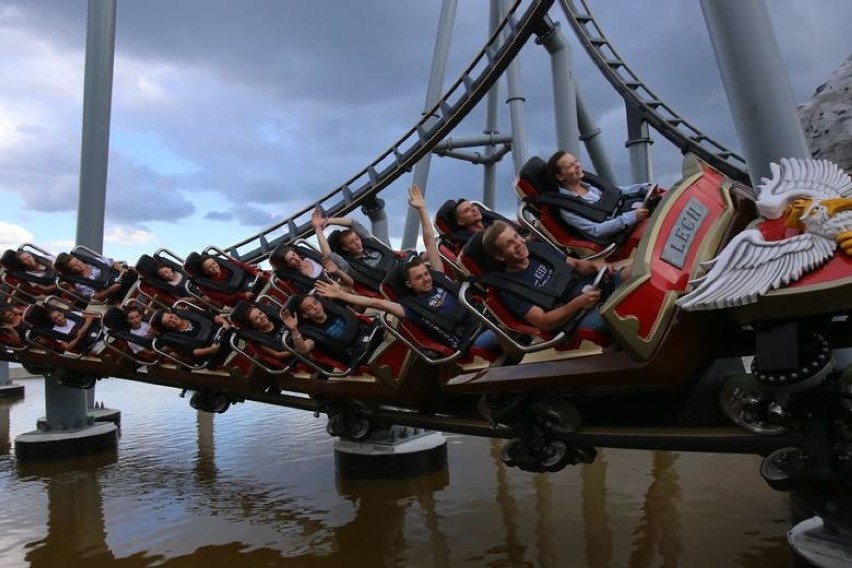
column 95, row 415
column 60, row 444
column 12, row 390
column 398, row 452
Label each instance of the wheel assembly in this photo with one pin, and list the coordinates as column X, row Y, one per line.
column 749, row 405
column 209, row 402
column 777, row 467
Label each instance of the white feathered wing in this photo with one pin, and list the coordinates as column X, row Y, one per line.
column 749, row 266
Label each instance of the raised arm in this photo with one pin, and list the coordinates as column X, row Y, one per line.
column 415, row 200
column 334, row 291
column 319, row 222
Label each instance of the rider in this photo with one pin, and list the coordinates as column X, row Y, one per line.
column 596, row 213
column 553, row 288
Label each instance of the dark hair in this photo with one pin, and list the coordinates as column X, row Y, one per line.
column 240, row 313
column 62, row 260
column 552, row 167
column 157, row 319
column 276, row 259
column 133, row 308
column 343, row 234
column 456, row 209
column 489, row 238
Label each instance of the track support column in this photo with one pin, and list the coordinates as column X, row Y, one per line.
column 756, row 83
column 68, row 430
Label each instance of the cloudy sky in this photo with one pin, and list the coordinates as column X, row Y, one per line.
column 228, row 115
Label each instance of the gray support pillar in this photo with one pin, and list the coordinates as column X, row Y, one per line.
column 67, row 408
column 97, row 105
column 489, row 175
column 4, row 373
column 756, row 83
column 639, row 145
column 516, row 102
column 564, row 90
column 590, row 136
column 375, row 211
column 433, row 95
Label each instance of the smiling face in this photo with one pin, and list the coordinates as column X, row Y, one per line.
column 134, row 319
column 166, row 273
column 76, row 266
column 569, row 171
column 511, row 246
column 418, row 278
column 57, row 318
column 210, row 268
column 257, row 318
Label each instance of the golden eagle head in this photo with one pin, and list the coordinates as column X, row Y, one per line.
column 794, row 212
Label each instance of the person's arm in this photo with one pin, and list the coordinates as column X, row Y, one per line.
column 79, row 334
column 415, row 199
column 303, row 346
column 588, row 267
column 319, row 223
column 335, row 292
column 557, row 317
column 604, row 228
column 283, row 354
column 104, row 293
column 335, row 272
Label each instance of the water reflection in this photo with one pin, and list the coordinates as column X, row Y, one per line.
column 256, row 487
column 658, row 531
column 75, row 520
column 5, row 439
column 597, row 531
column 205, row 460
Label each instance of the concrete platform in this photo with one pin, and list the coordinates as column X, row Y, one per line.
column 12, row 390
column 66, row 443
column 403, row 453
column 95, row 415
column 820, row 546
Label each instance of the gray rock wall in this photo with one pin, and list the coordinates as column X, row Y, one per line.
column 827, row 118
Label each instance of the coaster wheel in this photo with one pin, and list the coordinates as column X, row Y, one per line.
column 745, row 401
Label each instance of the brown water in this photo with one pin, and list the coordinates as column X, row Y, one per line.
column 257, row 487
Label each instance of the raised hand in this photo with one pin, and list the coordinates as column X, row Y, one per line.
column 329, row 265
column 328, row 289
column 318, row 220
column 289, row 319
column 415, row 197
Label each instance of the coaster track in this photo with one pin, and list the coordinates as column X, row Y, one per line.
column 464, row 94
column 635, row 93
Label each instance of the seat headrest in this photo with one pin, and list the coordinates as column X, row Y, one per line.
column 147, row 266
column 394, row 281
column 115, row 319
column 239, row 315
column 334, row 241
column 38, row 316
column 535, row 172
column 192, row 264
column 445, row 217
column 9, row 260
column 276, row 257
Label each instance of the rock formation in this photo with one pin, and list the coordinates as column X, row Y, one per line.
column 827, row 118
